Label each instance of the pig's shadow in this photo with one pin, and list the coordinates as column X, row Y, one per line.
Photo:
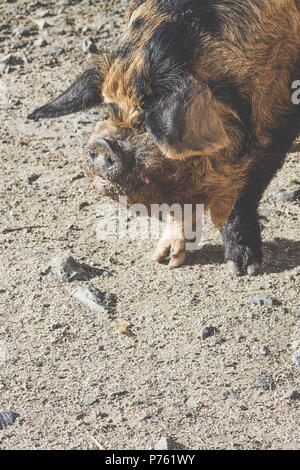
column 279, row 255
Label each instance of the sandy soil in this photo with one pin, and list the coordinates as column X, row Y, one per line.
column 57, row 355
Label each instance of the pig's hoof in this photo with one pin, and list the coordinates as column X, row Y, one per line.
column 254, row 269
column 175, row 249
column 234, row 270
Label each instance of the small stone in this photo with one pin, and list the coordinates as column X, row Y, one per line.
column 44, row 13
column 39, row 252
column 53, row 51
column 296, row 344
column 7, row 418
column 41, row 24
column 264, row 351
column 288, row 196
column 40, row 42
column 120, row 393
column 262, row 300
column 167, row 444
column 230, row 394
column 67, row 268
column 264, row 381
column 244, row 408
column 32, row 178
column 208, row 331
column 21, row 32
column 4, row 67
column 292, row 395
column 56, row 326
column 7, row 59
column 83, row 205
column 102, row 302
column 89, row 117
column 296, row 360
column 123, row 327
column 87, row 45
column 89, row 400
column 219, row 341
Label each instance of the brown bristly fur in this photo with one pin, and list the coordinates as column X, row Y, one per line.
column 258, row 54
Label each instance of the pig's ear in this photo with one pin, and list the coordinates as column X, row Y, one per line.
column 83, row 94
column 187, row 122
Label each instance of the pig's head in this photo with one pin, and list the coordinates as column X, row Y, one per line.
column 138, row 149
column 136, row 168
column 185, row 115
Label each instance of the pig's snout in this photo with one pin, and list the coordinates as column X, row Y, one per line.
column 104, row 159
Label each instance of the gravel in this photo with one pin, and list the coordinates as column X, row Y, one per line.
column 166, row 443
column 262, row 300
column 292, row 395
column 7, row 418
column 67, row 268
column 208, row 331
column 101, row 302
column 264, row 381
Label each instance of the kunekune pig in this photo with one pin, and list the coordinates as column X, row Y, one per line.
column 199, row 96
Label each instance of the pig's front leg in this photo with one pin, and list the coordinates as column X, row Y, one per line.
column 172, row 243
column 242, row 239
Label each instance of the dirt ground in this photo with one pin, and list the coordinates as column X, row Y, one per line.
column 70, row 376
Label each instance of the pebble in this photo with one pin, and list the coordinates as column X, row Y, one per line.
column 219, row 341
column 7, row 59
column 32, row 178
column 56, row 326
column 67, row 268
column 39, row 252
column 87, row 45
column 264, row 381
column 87, row 118
column 40, row 42
column 288, row 196
column 44, row 13
column 262, row 300
column 264, row 351
column 89, row 400
column 208, row 331
column 83, row 205
column 292, row 395
column 7, row 418
column 41, row 24
column 21, row 32
column 120, row 393
column 230, row 394
column 296, row 344
column 296, row 360
column 93, row 298
column 4, row 67
column 166, row 443
column 53, row 51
